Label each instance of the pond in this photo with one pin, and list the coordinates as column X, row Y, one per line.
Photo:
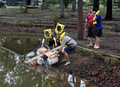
column 14, row 73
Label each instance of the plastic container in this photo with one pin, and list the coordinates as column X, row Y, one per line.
column 31, row 54
column 40, row 61
column 53, row 60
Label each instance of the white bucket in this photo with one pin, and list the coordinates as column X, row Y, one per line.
column 40, row 61
column 52, row 61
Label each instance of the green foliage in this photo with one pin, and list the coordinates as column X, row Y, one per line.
column 21, row 8
column 116, row 0
column 103, row 2
column 115, row 7
column 1, row 6
column 109, row 72
column 67, row 2
column 33, row 14
column 53, row 2
column 88, row 3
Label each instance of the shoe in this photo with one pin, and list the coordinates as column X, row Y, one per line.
column 96, row 47
column 90, row 45
column 67, row 63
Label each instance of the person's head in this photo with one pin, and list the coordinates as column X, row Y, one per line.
column 47, row 33
column 59, row 28
column 90, row 9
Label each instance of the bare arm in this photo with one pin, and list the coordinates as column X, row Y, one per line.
column 55, row 41
column 43, row 41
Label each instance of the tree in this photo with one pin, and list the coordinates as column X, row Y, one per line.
column 80, row 19
column 109, row 10
column 66, row 3
column 118, row 3
column 44, row 4
column 73, row 5
column 61, row 9
column 95, row 5
column 25, row 6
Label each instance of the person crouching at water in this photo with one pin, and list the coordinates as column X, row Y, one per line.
column 59, row 29
column 49, row 36
column 67, row 46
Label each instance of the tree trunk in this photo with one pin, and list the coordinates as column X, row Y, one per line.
column 80, row 19
column 95, row 5
column 66, row 3
column 109, row 10
column 61, row 9
column 118, row 3
column 44, row 4
column 73, row 5
column 25, row 6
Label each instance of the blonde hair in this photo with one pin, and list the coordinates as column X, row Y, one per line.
column 90, row 7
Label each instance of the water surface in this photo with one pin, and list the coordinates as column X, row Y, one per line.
column 14, row 73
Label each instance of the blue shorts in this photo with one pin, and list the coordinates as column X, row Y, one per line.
column 69, row 49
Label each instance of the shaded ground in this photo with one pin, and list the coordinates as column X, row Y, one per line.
column 93, row 69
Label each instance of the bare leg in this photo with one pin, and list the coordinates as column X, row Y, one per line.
column 91, row 41
column 67, row 58
column 97, row 42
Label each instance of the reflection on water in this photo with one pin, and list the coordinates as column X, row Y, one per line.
column 71, row 80
column 14, row 73
column 25, row 43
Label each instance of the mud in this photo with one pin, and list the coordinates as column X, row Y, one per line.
column 92, row 69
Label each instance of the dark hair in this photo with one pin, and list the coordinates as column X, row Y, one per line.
column 46, row 32
column 58, row 28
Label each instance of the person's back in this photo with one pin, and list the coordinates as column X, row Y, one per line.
column 99, row 22
column 68, row 41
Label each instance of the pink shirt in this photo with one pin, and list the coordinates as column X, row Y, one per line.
column 89, row 18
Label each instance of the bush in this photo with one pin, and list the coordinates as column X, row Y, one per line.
column 53, row 2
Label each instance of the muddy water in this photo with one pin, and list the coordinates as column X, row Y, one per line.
column 14, row 73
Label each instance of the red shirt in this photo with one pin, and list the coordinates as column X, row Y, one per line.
column 89, row 19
